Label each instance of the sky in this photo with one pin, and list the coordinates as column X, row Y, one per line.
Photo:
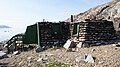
column 19, row 14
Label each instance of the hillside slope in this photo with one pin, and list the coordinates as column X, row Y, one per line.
column 105, row 11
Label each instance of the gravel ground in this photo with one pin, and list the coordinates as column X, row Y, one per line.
column 105, row 56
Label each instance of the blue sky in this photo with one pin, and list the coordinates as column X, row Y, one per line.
column 18, row 14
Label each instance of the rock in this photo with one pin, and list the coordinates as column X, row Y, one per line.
column 116, row 65
column 89, row 59
column 29, row 59
column 39, row 49
column 39, row 60
column 118, row 43
column 101, row 62
column 16, row 52
column 93, row 50
column 105, row 51
column 114, row 45
column 98, row 43
column 10, row 55
column 85, row 58
column 58, row 50
column 69, row 50
column 116, row 48
column 77, row 49
column 78, row 65
column 85, row 45
column 2, row 55
column 20, row 63
column 75, row 39
column 79, row 45
column 81, row 58
column 73, row 49
column 67, row 44
column 50, row 54
column 45, row 60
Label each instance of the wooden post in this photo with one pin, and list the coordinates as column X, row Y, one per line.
column 38, row 33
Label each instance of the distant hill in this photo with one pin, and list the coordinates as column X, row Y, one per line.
column 4, row 26
column 105, row 11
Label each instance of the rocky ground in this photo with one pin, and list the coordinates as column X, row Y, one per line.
column 104, row 56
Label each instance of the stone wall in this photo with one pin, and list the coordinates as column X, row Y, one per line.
column 96, row 31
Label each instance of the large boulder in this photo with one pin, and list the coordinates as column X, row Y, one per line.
column 2, row 55
column 39, row 49
column 89, row 59
column 69, row 44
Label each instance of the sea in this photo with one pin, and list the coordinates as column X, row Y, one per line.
column 7, row 33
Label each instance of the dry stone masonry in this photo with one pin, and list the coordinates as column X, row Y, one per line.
column 96, row 31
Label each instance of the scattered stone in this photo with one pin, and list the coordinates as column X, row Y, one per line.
column 79, row 45
column 77, row 49
column 16, row 52
column 67, row 44
column 118, row 43
column 57, row 50
column 98, row 43
column 105, row 65
column 39, row 49
column 116, row 65
column 85, row 45
column 69, row 49
column 45, row 59
column 2, row 55
column 3, row 64
column 29, row 59
column 85, row 58
column 75, row 39
column 101, row 62
column 10, row 55
column 89, row 59
column 81, row 58
column 106, row 51
column 21, row 63
column 50, row 54
column 39, row 60
column 78, row 65
column 73, row 49
column 114, row 45
column 93, row 50
column 116, row 48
